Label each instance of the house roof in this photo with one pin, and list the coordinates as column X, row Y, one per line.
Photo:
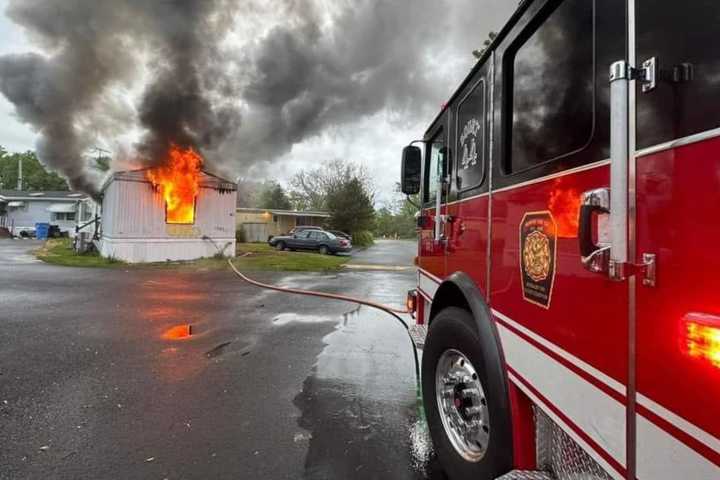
column 286, row 213
column 208, row 180
column 59, row 196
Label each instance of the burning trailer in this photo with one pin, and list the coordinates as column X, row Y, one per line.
column 176, row 211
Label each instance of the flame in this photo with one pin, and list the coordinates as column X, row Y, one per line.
column 178, row 332
column 565, row 207
column 178, row 181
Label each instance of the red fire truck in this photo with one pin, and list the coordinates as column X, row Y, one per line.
column 567, row 269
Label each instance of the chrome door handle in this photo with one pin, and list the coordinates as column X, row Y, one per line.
column 595, row 258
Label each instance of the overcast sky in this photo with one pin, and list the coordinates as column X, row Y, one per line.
column 384, row 66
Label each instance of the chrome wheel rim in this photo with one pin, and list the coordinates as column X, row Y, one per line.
column 462, row 405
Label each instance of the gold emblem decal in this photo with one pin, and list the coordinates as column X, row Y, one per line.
column 538, row 239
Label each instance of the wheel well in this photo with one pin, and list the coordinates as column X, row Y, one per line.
column 448, row 295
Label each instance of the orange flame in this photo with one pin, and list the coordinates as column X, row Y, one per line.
column 178, row 181
column 178, row 332
column 565, row 207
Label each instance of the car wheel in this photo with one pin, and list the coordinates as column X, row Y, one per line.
column 323, row 250
column 280, row 246
column 469, row 421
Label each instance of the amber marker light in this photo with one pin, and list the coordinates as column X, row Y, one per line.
column 701, row 337
column 411, row 302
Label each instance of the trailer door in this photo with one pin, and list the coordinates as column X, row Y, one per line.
column 678, row 200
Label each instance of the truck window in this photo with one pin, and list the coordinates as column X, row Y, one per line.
column 550, row 87
column 680, row 35
column 471, row 138
column 434, row 166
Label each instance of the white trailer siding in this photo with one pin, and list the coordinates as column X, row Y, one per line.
column 134, row 228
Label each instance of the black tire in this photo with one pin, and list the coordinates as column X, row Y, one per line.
column 323, row 250
column 455, row 328
column 280, row 246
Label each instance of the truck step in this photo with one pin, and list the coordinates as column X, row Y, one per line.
column 526, row 475
column 418, row 334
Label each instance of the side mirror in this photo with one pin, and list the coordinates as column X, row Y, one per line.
column 410, row 170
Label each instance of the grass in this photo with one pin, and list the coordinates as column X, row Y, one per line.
column 263, row 257
column 60, row 252
column 259, row 256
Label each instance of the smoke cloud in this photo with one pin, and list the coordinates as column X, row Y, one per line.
column 240, row 81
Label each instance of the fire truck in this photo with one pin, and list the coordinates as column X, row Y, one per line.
column 567, row 270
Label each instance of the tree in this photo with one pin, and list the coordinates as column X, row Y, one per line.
column 310, row 188
column 273, row 196
column 35, row 177
column 397, row 219
column 102, row 163
column 351, row 207
column 488, row 41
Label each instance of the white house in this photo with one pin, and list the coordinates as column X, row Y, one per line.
column 21, row 210
column 135, row 227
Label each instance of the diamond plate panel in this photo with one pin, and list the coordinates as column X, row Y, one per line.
column 418, row 334
column 559, row 454
column 526, row 475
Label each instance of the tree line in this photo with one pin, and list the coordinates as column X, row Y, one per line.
column 343, row 189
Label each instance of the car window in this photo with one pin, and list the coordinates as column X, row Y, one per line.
column 303, row 233
column 330, row 235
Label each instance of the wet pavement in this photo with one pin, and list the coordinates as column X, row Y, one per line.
column 397, row 253
column 268, row 385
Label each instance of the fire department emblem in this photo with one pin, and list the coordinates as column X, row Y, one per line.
column 538, row 239
column 468, row 143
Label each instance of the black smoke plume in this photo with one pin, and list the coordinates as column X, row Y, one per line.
column 92, row 46
column 317, row 64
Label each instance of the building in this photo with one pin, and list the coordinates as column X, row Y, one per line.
column 259, row 224
column 20, row 211
column 135, row 227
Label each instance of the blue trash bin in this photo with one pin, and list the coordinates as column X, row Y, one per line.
column 41, row 231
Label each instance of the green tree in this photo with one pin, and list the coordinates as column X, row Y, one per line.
column 35, row 177
column 351, row 207
column 274, row 196
column 102, row 163
column 310, row 188
column 397, row 219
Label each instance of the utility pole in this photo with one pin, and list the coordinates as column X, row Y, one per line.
column 20, row 179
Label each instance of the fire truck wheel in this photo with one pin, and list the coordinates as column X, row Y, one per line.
column 467, row 419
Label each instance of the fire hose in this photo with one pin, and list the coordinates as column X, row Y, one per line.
column 344, row 298
column 333, row 296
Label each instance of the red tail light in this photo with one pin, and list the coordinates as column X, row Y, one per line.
column 701, row 337
column 344, row 242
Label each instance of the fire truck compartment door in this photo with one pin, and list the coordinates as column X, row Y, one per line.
column 678, row 192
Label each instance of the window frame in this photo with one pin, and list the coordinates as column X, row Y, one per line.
column 439, row 132
column 484, row 155
column 195, row 199
column 507, row 80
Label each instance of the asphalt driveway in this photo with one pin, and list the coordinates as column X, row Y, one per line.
column 392, row 254
column 268, row 386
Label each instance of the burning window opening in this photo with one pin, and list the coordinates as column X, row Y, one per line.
column 178, row 182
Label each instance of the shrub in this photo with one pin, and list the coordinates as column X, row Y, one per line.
column 363, row 238
column 240, row 235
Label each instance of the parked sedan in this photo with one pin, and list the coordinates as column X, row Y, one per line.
column 318, row 240
column 340, row 234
